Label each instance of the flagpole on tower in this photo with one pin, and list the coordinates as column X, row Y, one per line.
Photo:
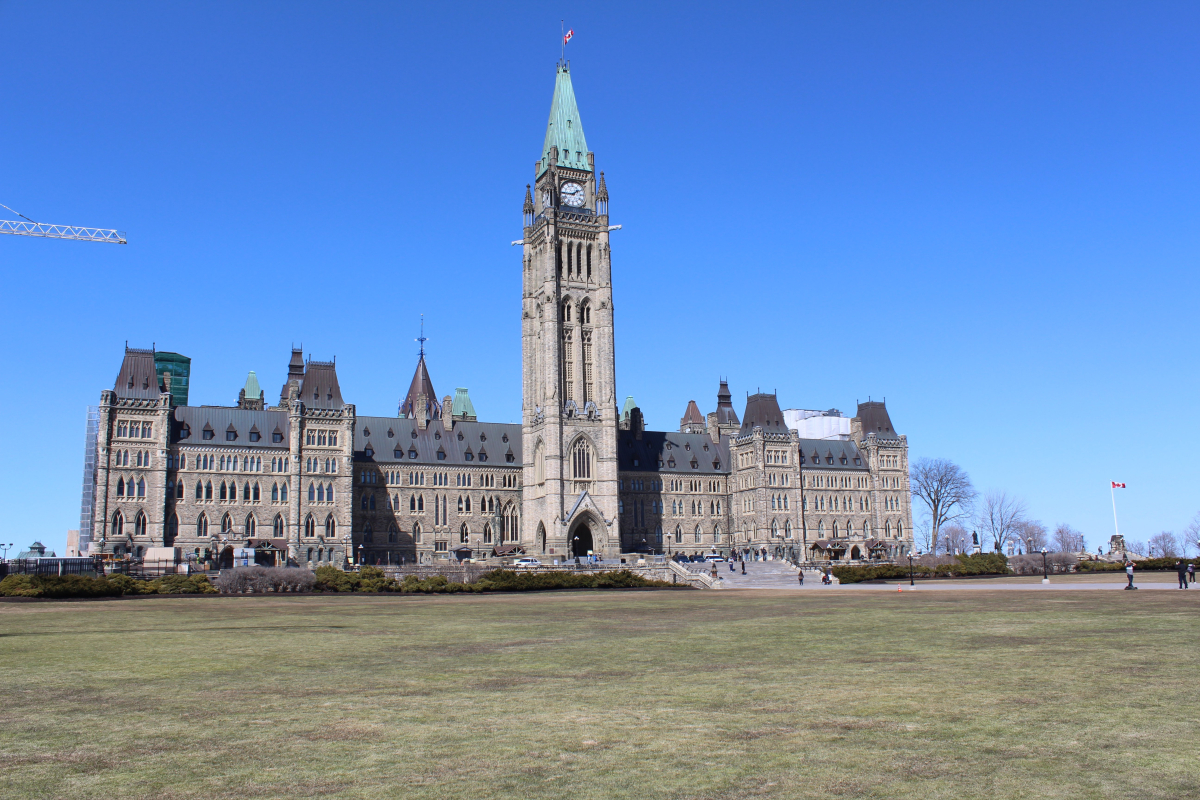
column 562, row 26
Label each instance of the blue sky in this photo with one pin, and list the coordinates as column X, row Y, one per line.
column 986, row 213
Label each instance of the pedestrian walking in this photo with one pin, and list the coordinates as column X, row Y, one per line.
column 1129, row 573
column 743, row 566
column 1191, row 573
column 800, row 575
column 731, row 566
column 1181, row 569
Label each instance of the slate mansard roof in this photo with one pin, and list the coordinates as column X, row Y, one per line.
column 195, row 419
column 137, row 380
column 489, row 444
column 319, row 387
column 831, row 454
column 762, row 411
column 875, row 419
column 646, row 454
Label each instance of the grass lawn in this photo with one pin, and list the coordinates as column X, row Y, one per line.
column 644, row 694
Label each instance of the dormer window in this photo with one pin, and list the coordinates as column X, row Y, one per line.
column 366, row 431
column 437, row 434
column 397, row 453
column 460, row 436
column 504, row 438
column 369, row 452
column 482, row 436
column 185, row 432
column 469, row 456
column 688, row 446
column 390, row 434
column 255, row 436
column 706, row 447
column 412, row 453
column 276, row 437
column 414, row 434
column 208, row 433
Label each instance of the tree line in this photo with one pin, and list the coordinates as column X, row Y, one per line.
column 1002, row 521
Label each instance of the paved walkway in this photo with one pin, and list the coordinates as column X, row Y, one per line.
column 781, row 575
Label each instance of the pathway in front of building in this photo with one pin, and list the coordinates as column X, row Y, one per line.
column 781, row 575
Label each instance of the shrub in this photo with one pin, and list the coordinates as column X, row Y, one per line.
column 979, row 564
column 58, row 586
column 263, row 580
column 1100, row 566
column 332, row 579
column 130, row 586
column 184, row 584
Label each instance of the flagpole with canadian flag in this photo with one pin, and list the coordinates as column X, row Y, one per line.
column 1112, row 490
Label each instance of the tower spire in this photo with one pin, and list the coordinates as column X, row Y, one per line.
column 422, row 338
column 565, row 130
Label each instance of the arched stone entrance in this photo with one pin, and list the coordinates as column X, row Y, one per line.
column 855, row 553
column 225, row 559
column 581, row 540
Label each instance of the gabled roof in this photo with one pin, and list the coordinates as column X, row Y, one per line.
column 319, row 387
column 420, row 385
column 692, row 414
column 565, row 130
column 137, row 379
column 762, row 411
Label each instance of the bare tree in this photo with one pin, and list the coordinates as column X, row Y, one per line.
column 1191, row 536
column 1031, row 534
column 1164, row 545
column 945, row 490
column 1067, row 539
column 957, row 539
column 999, row 516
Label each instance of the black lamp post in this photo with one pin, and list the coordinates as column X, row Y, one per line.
column 1045, row 568
column 360, row 555
column 910, row 569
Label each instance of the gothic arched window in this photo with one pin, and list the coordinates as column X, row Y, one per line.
column 202, row 526
column 118, row 524
column 581, row 460
column 227, row 525
column 139, row 524
column 277, row 528
column 310, row 526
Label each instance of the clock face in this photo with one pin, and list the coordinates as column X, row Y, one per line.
column 572, row 194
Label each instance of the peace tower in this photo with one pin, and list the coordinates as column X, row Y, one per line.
column 569, row 410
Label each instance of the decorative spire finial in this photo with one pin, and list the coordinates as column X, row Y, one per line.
column 422, row 338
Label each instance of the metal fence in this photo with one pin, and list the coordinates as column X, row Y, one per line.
column 51, row 566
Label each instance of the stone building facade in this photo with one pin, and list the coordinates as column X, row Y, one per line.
column 309, row 481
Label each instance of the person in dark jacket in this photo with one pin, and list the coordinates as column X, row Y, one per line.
column 800, row 574
column 1181, row 569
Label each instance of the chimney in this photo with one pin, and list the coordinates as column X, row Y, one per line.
column 448, row 412
column 422, row 411
column 714, row 430
column 636, row 423
column 856, row 433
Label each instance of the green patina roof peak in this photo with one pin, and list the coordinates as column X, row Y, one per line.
column 463, row 407
column 253, row 390
column 629, row 406
column 565, row 130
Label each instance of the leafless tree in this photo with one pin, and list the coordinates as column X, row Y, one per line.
column 1164, row 545
column 1191, row 536
column 998, row 518
column 945, row 490
column 1067, row 539
column 1031, row 535
column 957, row 539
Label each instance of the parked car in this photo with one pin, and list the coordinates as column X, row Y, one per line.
column 714, row 558
column 527, row 563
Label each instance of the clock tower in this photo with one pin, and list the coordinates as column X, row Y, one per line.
column 569, row 411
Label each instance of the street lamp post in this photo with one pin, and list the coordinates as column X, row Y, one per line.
column 911, row 582
column 360, row 555
column 6, row 548
column 1045, row 569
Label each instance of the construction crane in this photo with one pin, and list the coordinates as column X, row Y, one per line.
column 31, row 228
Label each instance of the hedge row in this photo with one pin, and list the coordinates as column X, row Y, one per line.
column 372, row 579
column 979, row 564
column 63, row 586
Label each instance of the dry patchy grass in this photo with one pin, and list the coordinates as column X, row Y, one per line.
column 603, row 695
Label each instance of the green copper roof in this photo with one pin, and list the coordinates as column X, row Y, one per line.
column 463, row 407
column 565, row 128
column 629, row 406
column 253, row 391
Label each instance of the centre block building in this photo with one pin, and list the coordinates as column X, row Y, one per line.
column 310, row 482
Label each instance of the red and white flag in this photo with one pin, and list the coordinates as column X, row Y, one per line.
column 567, row 38
column 1116, row 485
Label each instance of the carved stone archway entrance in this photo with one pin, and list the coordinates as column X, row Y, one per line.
column 581, row 541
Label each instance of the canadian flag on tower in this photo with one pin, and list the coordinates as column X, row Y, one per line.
column 568, row 36
column 1116, row 485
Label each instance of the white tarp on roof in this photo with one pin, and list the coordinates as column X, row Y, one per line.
column 817, row 424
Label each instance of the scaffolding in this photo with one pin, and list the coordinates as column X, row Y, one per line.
column 87, row 502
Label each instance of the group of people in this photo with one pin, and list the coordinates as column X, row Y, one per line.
column 1184, row 569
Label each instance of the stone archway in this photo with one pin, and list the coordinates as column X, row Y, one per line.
column 581, row 540
column 855, row 554
column 225, row 559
